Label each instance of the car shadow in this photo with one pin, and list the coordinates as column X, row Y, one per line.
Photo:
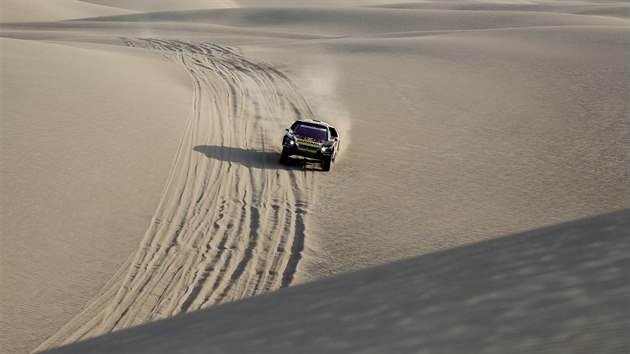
column 253, row 158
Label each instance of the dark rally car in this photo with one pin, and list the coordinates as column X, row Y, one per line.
column 312, row 139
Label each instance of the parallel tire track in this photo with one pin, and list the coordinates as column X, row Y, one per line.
column 230, row 223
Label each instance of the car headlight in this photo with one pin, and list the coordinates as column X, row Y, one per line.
column 288, row 140
column 326, row 148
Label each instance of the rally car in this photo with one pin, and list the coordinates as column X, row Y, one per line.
column 312, row 139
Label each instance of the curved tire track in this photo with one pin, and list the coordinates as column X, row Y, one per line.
column 230, row 223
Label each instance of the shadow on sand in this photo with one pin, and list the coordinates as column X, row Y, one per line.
column 253, row 158
column 514, row 294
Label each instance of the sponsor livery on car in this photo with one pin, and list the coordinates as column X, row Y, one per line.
column 312, row 139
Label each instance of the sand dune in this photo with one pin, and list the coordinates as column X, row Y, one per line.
column 461, row 121
column 42, row 10
column 513, row 128
column 604, row 8
column 365, row 21
column 154, row 6
column 71, row 157
column 561, row 289
column 222, row 183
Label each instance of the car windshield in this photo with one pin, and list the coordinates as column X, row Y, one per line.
column 312, row 132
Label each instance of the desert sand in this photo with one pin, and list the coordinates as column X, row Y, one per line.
column 140, row 146
column 560, row 289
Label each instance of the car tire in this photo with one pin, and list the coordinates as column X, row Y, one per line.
column 284, row 157
column 326, row 164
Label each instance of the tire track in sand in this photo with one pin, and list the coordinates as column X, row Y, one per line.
column 230, row 223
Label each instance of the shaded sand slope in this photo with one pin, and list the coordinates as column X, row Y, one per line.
column 615, row 8
column 246, row 25
column 77, row 142
column 315, row 3
column 152, row 5
column 365, row 21
column 561, row 289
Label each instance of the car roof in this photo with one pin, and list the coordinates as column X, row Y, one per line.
column 316, row 122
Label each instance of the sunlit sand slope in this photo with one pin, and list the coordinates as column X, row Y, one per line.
column 77, row 142
column 228, row 226
column 43, row 10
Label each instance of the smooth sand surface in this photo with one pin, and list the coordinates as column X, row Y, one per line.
column 461, row 121
column 57, row 10
column 561, row 289
column 77, row 142
column 154, row 6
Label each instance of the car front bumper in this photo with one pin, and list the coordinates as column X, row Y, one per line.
column 306, row 151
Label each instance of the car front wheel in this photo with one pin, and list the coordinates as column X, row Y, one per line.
column 284, row 157
column 326, row 164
